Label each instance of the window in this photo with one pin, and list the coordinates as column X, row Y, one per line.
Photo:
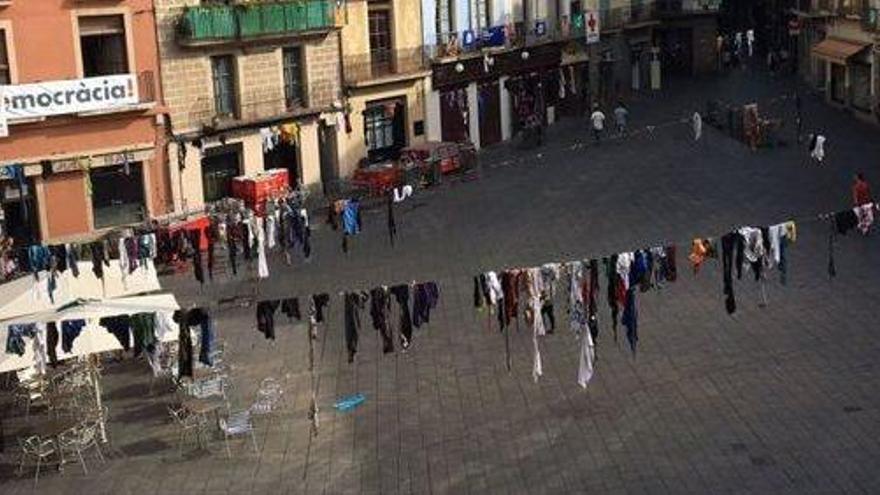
column 219, row 166
column 5, row 77
column 480, row 15
column 444, row 19
column 291, row 61
column 484, row 14
column 223, row 73
column 378, row 126
column 117, row 195
column 385, row 129
column 103, row 47
column 380, row 38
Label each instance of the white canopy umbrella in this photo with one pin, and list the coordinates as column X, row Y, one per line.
column 93, row 338
column 28, row 295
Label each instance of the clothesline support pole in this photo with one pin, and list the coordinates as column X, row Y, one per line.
column 507, row 347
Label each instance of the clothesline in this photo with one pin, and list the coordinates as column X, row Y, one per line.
column 799, row 220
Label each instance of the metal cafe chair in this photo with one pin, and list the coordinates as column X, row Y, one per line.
column 187, row 424
column 40, row 449
column 237, row 424
column 78, row 440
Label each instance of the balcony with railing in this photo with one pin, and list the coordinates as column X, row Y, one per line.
column 237, row 23
column 635, row 15
column 380, row 66
column 673, row 7
column 249, row 107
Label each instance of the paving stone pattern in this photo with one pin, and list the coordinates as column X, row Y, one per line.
column 780, row 399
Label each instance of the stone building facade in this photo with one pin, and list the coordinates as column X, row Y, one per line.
column 249, row 87
column 385, row 75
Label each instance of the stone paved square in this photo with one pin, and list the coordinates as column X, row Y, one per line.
column 775, row 399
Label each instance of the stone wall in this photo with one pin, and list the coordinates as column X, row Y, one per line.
column 187, row 79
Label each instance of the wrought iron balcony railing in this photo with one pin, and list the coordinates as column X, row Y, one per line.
column 379, row 64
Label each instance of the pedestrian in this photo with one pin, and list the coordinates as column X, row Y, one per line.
column 817, row 148
column 598, row 123
column 798, row 118
column 861, row 190
column 621, row 115
column 697, row 124
column 750, row 41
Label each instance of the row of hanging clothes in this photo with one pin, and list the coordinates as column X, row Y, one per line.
column 133, row 250
column 530, row 295
column 241, row 236
column 397, row 309
column 141, row 333
column 859, row 218
column 345, row 215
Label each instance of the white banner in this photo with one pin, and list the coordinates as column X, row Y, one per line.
column 591, row 25
column 73, row 96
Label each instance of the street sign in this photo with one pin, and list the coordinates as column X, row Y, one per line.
column 591, row 25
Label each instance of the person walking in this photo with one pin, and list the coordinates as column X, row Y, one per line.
column 597, row 120
column 621, row 116
column 798, row 116
column 861, row 190
column 817, row 148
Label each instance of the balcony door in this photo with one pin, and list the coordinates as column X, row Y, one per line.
column 380, row 38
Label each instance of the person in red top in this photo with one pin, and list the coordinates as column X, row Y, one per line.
column 861, row 191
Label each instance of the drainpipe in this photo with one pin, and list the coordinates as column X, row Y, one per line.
column 166, row 124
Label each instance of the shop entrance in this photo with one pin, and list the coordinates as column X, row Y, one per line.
column 219, row 166
column 490, row 113
column 454, row 115
column 117, row 195
column 18, row 213
column 284, row 155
